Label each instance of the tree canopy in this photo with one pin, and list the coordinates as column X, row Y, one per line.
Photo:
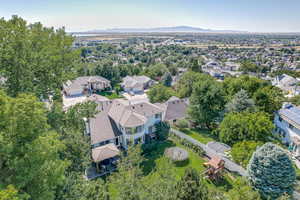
column 29, row 151
column 237, row 127
column 206, row 102
column 34, row 58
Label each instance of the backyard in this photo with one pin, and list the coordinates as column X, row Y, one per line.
column 155, row 159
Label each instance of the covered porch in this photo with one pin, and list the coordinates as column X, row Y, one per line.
column 104, row 161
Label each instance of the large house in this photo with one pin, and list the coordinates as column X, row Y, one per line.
column 120, row 125
column 85, row 85
column 287, row 122
column 136, row 84
column 288, row 84
column 82, row 89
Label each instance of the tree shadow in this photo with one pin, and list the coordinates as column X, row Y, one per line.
column 182, row 163
column 153, row 152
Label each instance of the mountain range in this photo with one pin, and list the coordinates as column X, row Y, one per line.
column 164, row 29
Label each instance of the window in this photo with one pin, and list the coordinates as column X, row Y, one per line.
column 139, row 129
column 291, row 126
column 158, row 116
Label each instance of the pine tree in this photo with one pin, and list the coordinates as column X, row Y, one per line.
column 240, row 102
column 271, row 171
column 191, row 187
column 167, row 79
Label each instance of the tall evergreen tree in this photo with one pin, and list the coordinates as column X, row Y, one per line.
column 167, row 79
column 271, row 171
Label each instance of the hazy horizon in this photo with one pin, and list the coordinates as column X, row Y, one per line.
column 78, row 16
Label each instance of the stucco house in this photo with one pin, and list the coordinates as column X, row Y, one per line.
column 120, row 125
column 85, row 85
column 136, row 84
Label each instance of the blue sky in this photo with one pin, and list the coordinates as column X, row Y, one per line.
column 80, row 15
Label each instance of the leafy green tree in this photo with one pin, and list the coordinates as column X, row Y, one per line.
column 106, row 69
column 71, row 127
column 128, row 179
column 248, row 66
column 156, row 71
column 242, row 190
column 196, row 65
column 29, row 151
column 237, row 127
column 184, row 86
column 232, row 85
column 268, row 99
column 206, row 102
column 271, row 171
column 77, row 188
column 191, row 186
column 160, row 93
column 167, row 79
column 35, row 58
column 10, row 193
column 241, row 152
column 163, row 185
column 240, row 102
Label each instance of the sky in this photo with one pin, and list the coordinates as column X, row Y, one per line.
column 83, row 15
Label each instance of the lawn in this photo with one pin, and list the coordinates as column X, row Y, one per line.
column 155, row 158
column 110, row 95
column 203, row 136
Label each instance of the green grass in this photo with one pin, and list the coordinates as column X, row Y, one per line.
column 155, row 158
column 110, row 95
column 203, row 136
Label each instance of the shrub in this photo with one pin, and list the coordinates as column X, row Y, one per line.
column 241, row 152
column 182, row 123
column 162, row 130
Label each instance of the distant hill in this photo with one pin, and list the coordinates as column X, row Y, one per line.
column 164, row 29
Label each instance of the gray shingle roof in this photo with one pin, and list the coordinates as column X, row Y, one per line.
column 291, row 113
column 102, row 128
column 78, row 85
column 175, row 108
column 128, row 115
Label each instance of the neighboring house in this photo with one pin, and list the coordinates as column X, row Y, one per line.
column 287, row 122
column 85, row 85
column 174, row 109
column 288, row 84
column 136, row 84
column 119, row 125
column 101, row 101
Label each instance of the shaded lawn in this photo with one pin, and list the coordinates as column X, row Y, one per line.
column 203, row 136
column 155, row 157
